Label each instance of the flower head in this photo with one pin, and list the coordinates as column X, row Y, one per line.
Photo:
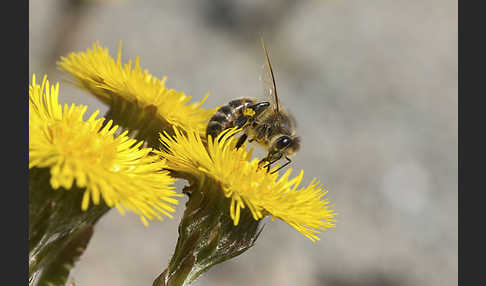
column 89, row 154
column 249, row 185
column 96, row 71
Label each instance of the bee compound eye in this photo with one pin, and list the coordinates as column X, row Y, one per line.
column 283, row 142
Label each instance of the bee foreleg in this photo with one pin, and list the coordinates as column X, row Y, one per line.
column 241, row 140
column 288, row 162
column 271, row 162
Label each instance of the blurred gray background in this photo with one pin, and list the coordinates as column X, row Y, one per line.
column 373, row 85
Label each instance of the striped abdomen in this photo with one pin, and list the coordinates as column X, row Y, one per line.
column 227, row 115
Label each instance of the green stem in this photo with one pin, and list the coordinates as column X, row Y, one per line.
column 144, row 122
column 207, row 235
column 72, row 247
column 58, row 229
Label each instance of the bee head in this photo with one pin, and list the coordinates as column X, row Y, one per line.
column 285, row 145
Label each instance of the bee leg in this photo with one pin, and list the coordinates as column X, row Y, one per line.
column 241, row 121
column 288, row 162
column 262, row 161
column 241, row 140
column 251, row 140
column 270, row 163
column 259, row 107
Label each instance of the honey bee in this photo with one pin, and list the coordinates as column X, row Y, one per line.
column 266, row 122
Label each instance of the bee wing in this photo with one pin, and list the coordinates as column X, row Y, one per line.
column 268, row 81
column 268, row 86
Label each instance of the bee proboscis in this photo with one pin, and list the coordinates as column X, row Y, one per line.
column 265, row 122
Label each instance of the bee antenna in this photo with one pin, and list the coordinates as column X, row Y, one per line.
column 271, row 74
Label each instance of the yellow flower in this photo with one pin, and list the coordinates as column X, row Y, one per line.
column 96, row 71
column 247, row 184
column 87, row 152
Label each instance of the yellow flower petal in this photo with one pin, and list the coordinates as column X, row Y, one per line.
column 96, row 71
column 86, row 153
column 247, row 184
